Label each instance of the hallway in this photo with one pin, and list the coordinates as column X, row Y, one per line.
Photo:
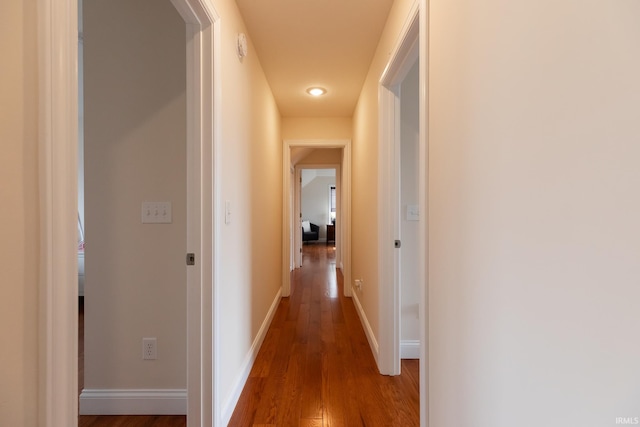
column 315, row 367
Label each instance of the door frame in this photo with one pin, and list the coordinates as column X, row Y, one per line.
column 423, row 201
column 297, row 209
column 389, row 136
column 290, row 223
column 58, row 142
column 404, row 55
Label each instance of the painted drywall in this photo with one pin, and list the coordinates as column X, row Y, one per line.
column 364, row 197
column 310, row 174
column 19, row 215
column 534, row 238
column 250, row 161
column 410, row 261
column 135, row 151
column 315, row 201
column 316, row 127
column 323, row 156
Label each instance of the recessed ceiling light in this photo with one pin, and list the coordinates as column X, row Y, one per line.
column 316, row 91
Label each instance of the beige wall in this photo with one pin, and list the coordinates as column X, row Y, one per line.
column 364, row 198
column 323, row 156
column 250, row 270
column 316, row 127
column 534, row 232
column 135, row 151
column 18, row 215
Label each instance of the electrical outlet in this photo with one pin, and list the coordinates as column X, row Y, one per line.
column 358, row 284
column 149, row 349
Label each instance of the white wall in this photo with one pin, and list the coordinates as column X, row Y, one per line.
column 410, row 261
column 19, row 215
column 135, row 151
column 315, row 199
column 534, row 233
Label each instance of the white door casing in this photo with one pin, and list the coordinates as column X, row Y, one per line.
column 413, row 41
column 423, row 206
column 403, row 57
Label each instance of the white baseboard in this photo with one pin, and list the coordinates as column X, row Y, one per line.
column 410, row 349
column 133, row 402
column 230, row 403
column 365, row 324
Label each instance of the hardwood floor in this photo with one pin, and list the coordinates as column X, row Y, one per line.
column 315, row 367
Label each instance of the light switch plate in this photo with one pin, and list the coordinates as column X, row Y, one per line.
column 413, row 213
column 227, row 212
column 156, row 213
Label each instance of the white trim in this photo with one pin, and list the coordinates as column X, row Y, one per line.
column 133, row 402
column 343, row 227
column 402, row 58
column 211, row 366
column 58, row 147
column 410, row 349
column 230, row 404
column 203, row 117
column 57, row 39
column 371, row 337
column 296, row 221
column 423, row 190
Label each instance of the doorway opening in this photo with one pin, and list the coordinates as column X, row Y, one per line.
column 293, row 152
column 135, row 153
column 58, row 309
column 317, row 206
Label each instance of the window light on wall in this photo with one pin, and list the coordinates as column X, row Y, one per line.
column 332, row 202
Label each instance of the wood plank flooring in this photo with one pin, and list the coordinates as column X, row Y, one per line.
column 315, row 367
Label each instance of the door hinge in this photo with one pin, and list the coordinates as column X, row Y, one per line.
column 191, row 259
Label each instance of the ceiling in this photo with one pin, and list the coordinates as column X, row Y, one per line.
column 304, row 43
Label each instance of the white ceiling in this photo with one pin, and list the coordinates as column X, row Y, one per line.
column 303, row 43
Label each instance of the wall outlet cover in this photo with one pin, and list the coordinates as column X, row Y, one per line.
column 149, row 348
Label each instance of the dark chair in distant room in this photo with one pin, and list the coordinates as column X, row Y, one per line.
column 310, row 232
